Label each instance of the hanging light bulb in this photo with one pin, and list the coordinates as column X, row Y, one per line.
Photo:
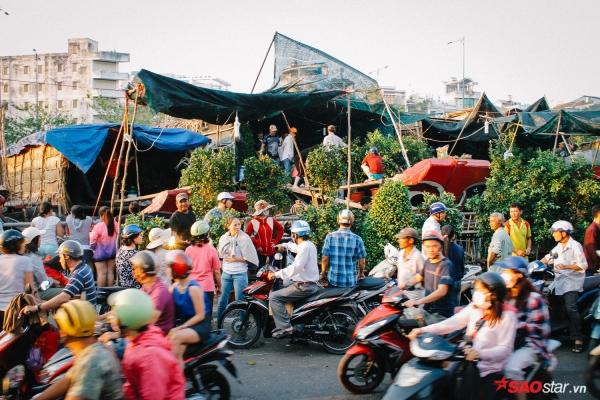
column 236, row 129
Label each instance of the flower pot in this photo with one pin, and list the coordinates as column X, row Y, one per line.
column 356, row 196
column 374, row 191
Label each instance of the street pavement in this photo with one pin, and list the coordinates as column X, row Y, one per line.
column 279, row 370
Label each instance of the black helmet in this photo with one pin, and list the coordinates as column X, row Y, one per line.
column 144, row 260
column 494, row 282
column 9, row 241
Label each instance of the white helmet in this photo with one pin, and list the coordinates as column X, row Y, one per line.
column 224, row 196
column 562, row 226
column 345, row 217
column 300, row 228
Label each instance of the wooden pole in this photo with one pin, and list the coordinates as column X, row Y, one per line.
column 349, row 150
column 3, row 144
column 398, row 133
column 464, row 126
column 262, row 65
column 557, row 131
column 118, row 169
column 112, row 155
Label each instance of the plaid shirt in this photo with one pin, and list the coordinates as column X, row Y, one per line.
column 344, row 249
column 533, row 324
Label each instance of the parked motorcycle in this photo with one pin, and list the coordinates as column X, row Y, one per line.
column 466, row 283
column 387, row 268
column 381, row 345
column 327, row 317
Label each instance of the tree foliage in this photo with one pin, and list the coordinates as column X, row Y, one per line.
column 26, row 121
column 454, row 216
column 548, row 188
column 208, row 172
column 389, row 213
column 265, row 179
column 111, row 110
column 326, row 168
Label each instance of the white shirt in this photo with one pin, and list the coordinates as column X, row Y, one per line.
column 409, row 265
column 332, row 140
column 567, row 280
column 431, row 224
column 305, row 267
column 49, row 225
column 286, row 149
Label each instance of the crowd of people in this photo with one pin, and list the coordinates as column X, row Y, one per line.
column 172, row 285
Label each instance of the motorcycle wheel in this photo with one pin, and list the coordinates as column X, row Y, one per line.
column 357, row 375
column 592, row 376
column 344, row 320
column 241, row 336
column 211, row 385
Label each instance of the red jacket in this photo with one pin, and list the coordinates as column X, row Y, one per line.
column 265, row 233
column 591, row 243
column 151, row 370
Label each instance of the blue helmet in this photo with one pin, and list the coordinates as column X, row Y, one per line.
column 374, row 150
column 516, row 263
column 131, row 231
column 300, row 228
column 437, row 207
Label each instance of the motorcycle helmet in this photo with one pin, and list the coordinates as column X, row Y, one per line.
column 144, row 260
column 71, row 248
column 494, row 283
column 345, row 217
column 179, row 262
column 300, row 228
column 516, row 263
column 130, row 231
column 199, row 228
column 562, row 226
column 76, row 318
column 437, row 207
column 10, row 241
column 133, row 308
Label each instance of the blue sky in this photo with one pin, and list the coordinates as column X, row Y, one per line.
column 523, row 48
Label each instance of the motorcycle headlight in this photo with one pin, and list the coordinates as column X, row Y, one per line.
column 410, row 376
column 365, row 332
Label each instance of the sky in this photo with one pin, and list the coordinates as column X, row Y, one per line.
column 526, row 49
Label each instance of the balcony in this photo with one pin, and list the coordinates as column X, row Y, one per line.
column 110, row 93
column 111, row 76
column 111, row 56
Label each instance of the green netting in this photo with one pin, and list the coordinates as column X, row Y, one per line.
column 546, row 123
column 302, row 68
column 539, row 105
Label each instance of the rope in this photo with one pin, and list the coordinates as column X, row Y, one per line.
column 151, row 144
column 453, row 140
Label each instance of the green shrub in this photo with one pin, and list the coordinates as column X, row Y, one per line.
column 326, row 168
column 549, row 188
column 389, row 213
column 416, row 149
column 454, row 216
column 145, row 224
column 208, row 173
column 265, row 179
column 218, row 227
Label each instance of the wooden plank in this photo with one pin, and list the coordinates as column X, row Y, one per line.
column 363, row 185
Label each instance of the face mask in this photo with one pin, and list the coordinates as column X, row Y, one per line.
column 479, row 300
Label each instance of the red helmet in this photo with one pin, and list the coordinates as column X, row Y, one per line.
column 180, row 264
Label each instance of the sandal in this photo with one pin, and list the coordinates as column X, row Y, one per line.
column 283, row 333
column 577, row 348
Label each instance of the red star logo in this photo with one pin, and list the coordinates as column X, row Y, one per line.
column 501, row 384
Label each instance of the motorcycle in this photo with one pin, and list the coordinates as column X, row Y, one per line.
column 328, row 317
column 466, row 283
column 437, row 371
column 386, row 269
column 381, row 345
column 592, row 372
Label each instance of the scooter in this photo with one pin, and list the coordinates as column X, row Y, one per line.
column 328, row 317
column 386, row 269
column 466, row 283
column 381, row 345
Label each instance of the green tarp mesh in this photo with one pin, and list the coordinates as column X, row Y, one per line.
column 539, row 105
column 183, row 100
column 546, row 123
column 302, row 68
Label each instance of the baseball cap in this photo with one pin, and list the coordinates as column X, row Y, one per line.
column 181, row 196
column 407, row 232
column 224, row 196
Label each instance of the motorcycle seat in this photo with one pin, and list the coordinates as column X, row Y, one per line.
column 197, row 348
column 409, row 323
column 327, row 293
column 370, row 282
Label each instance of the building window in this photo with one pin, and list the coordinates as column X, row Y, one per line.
column 59, row 86
column 75, row 84
column 26, row 88
column 26, row 104
column 74, row 103
column 5, row 70
column 60, row 104
column 59, row 68
column 6, row 88
column 82, row 70
column 26, row 69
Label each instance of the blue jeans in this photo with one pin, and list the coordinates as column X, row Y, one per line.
column 287, row 166
column 47, row 250
column 229, row 282
column 208, row 305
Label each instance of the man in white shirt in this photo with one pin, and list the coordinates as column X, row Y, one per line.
column 437, row 214
column 286, row 151
column 332, row 140
column 304, row 275
column 569, row 273
column 410, row 269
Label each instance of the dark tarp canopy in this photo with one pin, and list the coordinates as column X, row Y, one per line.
column 544, row 123
column 183, row 100
column 539, row 105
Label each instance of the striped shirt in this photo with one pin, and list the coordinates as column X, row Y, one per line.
column 82, row 280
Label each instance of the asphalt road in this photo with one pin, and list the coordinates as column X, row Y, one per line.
column 279, row 370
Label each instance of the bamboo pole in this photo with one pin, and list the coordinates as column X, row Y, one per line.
column 263, row 64
column 112, row 155
column 4, row 165
column 398, row 133
column 557, row 132
column 118, row 169
column 349, row 150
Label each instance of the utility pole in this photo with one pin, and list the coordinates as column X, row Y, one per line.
column 37, row 104
column 462, row 41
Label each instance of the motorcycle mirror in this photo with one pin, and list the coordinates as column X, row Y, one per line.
column 44, row 285
column 278, row 257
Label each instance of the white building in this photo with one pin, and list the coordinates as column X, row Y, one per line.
column 63, row 82
column 394, row 96
column 454, row 93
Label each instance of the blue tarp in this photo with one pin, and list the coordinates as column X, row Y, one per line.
column 81, row 144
